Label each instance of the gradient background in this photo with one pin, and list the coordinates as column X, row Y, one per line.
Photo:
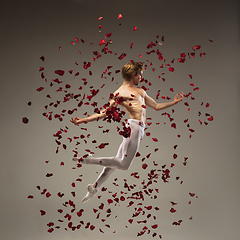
column 30, row 29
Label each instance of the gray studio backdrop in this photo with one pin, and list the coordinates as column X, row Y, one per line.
column 31, row 29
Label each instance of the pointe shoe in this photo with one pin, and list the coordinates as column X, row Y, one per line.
column 91, row 192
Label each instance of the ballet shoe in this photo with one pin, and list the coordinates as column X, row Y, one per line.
column 91, row 192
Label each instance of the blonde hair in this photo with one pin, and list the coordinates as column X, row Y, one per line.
column 131, row 68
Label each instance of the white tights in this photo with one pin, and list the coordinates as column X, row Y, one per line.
column 125, row 154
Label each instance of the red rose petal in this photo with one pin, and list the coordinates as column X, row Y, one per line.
column 155, row 139
column 197, row 47
column 48, row 194
column 148, row 208
column 123, row 55
column 100, row 18
column 144, row 166
column 101, row 206
column 210, row 118
column 130, row 220
column 39, row 89
column 60, row 72
column 30, row 196
column 172, row 210
column 25, row 120
column 42, row 212
column 60, row 194
column 192, row 194
column 154, row 226
column 195, row 89
column 135, row 29
column 119, row 16
column 122, row 198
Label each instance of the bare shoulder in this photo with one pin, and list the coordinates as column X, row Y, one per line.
column 141, row 91
column 117, row 93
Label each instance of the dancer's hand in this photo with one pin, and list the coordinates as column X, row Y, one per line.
column 178, row 99
column 77, row 120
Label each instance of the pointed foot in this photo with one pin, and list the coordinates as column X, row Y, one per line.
column 91, row 192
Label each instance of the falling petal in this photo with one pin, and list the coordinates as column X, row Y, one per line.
column 40, row 89
column 25, row 120
column 60, row 72
column 195, row 89
column 144, row 166
column 154, row 226
column 197, row 47
column 210, row 118
column 42, row 212
column 92, row 227
column 172, row 210
column 123, row 55
column 42, row 58
column 192, row 194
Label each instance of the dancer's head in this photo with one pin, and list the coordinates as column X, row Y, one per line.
column 131, row 69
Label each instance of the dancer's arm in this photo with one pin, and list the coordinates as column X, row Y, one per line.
column 160, row 106
column 94, row 117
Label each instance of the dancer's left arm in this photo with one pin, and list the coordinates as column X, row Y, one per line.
column 160, row 106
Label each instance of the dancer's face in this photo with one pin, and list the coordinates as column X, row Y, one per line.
column 137, row 78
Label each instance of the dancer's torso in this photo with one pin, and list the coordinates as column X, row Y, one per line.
column 133, row 101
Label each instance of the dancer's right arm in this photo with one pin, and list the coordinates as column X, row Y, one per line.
column 95, row 116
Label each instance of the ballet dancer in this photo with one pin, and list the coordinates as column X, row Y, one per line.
column 134, row 100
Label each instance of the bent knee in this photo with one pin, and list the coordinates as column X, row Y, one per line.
column 124, row 167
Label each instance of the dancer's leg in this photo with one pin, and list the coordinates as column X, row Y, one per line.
column 103, row 177
column 129, row 148
column 107, row 172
